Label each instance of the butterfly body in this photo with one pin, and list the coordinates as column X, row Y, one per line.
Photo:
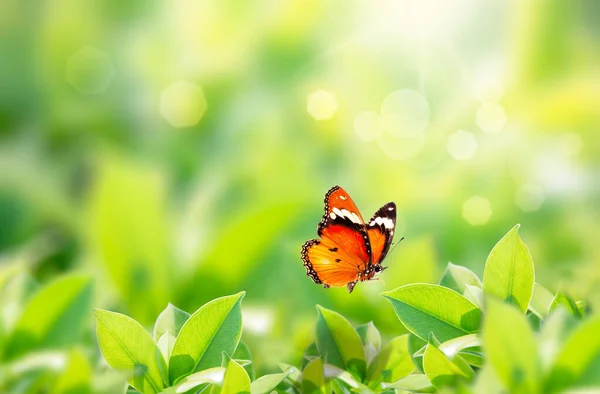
column 349, row 250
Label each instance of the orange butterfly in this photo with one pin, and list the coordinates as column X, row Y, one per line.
column 349, row 250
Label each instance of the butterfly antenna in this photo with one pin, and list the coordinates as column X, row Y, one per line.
column 394, row 248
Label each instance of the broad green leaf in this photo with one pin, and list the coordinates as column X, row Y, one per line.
column 578, row 362
column 454, row 346
column 563, row 300
column 540, row 301
column 171, row 320
column 475, row 359
column 236, row 379
column 295, row 375
column 310, row 353
column 475, row 295
column 456, row 277
column 414, row 345
column 511, row 348
column 313, row 381
column 442, row 371
column 53, row 318
column 267, row 383
column 242, row 352
column 130, row 232
column 77, row 375
column 424, row 308
column 508, row 272
column 165, row 344
column 213, row 329
column 127, row 346
column 369, row 334
column 393, row 362
column 417, row 383
column 339, row 343
column 333, row 372
column 214, row 376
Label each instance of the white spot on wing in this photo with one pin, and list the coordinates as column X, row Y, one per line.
column 332, row 216
column 390, row 208
column 342, row 197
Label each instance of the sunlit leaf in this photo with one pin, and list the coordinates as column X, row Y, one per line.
column 339, row 343
column 475, row 295
column 213, row 329
column 214, row 376
column 369, row 334
column 127, row 346
column 418, row 383
column 578, row 362
column 44, row 324
column 393, row 362
column 540, row 301
column 425, row 308
column 414, row 345
column 508, row 272
column 267, row 383
column 511, row 348
column 242, row 352
column 236, row 380
column 456, row 277
column 333, row 372
column 171, row 319
column 165, row 344
column 313, row 381
column 441, row 370
column 563, row 300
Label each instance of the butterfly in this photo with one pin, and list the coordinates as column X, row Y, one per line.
column 349, row 250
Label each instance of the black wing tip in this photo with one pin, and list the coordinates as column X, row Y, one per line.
column 306, row 261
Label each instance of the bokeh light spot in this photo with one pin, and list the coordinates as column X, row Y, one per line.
column 367, row 125
column 491, row 117
column 90, row 71
column 529, row 197
column 462, row 145
column 321, row 105
column 405, row 113
column 182, row 104
column 477, row 210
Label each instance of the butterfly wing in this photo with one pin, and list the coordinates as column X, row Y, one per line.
column 344, row 250
column 381, row 231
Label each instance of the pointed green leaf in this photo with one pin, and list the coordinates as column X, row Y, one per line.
column 310, row 353
column 417, row 383
column 333, row 372
column 369, row 334
column 424, row 308
column 511, row 348
column 454, row 346
column 456, row 277
column 214, row 376
column 475, row 295
column 242, row 352
column 53, row 318
column 578, row 362
column 414, row 345
column 165, row 344
column 339, row 343
column 236, row 379
column 267, row 383
column 127, row 346
column 508, row 272
column 213, row 329
column 171, row 320
column 393, row 362
column 442, row 371
column 313, row 381
column 540, row 301
column 563, row 300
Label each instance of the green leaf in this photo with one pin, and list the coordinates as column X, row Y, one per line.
column 456, row 345
column 508, row 272
column 170, row 320
column 578, row 362
column 165, row 344
column 53, row 318
column 339, row 343
column 369, row 334
column 417, row 383
column 442, row 371
column 475, row 295
column 393, row 362
column 511, row 348
column 77, row 375
column 313, row 381
column 267, row 383
column 213, row 329
column 242, row 352
column 424, row 308
column 456, row 277
column 214, row 376
column 563, row 300
column 540, row 301
column 236, row 379
column 333, row 372
column 414, row 345
column 310, row 353
column 127, row 346
column 295, row 375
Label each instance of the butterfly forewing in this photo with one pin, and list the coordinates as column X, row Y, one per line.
column 381, row 231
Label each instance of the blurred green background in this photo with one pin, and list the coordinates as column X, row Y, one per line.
column 179, row 151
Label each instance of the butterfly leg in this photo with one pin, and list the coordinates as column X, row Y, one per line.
column 351, row 286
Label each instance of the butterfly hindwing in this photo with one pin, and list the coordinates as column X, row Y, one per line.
column 381, row 231
column 329, row 265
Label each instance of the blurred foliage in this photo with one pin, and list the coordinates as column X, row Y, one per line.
column 155, row 152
